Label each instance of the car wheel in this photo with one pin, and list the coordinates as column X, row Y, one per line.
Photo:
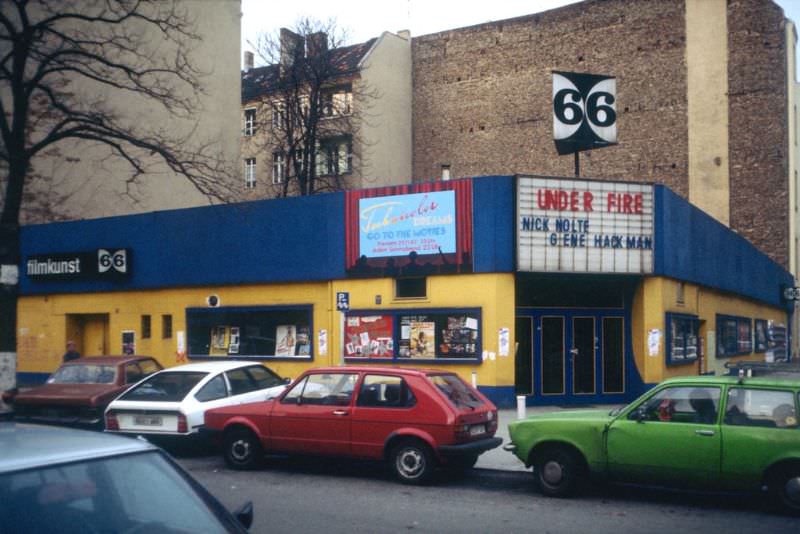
column 785, row 490
column 242, row 449
column 557, row 471
column 412, row 462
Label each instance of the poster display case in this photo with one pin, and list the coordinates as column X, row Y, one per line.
column 262, row 332
column 452, row 334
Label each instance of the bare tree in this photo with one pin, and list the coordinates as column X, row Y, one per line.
column 315, row 105
column 62, row 66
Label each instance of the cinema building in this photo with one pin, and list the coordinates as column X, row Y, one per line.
column 564, row 290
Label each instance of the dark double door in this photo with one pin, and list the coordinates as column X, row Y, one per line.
column 571, row 355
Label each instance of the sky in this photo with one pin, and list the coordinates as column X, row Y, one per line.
column 364, row 19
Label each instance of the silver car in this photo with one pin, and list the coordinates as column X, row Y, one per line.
column 55, row 479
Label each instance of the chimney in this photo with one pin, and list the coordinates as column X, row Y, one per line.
column 316, row 44
column 248, row 60
column 292, row 48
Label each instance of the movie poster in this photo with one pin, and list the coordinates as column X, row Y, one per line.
column 286, row 340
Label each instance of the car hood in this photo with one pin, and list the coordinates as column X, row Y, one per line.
column 65, row 393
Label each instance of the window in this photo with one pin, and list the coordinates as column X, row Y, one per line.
column 337, row 103
column 733, row 336
column 380, row 391
column 263, row 377
column 456, row 391
column 278, row 116
column 240, row 382
column 760, row 335
column 411, row 288
column 759, row 407
column 149, row 367
column 146, row 327
column 323, row 388
column 335, row 157
column 249, row 122
column 680, row 404
column 682, row 338
column 265, row 332
column 133, row 373
column 213, row 390
column 278, row 167
column 250, row 173
column 407, row 335
column 166, row 326
column 169, row 386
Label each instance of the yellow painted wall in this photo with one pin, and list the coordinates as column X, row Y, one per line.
column 657, row 296
column 46, row 322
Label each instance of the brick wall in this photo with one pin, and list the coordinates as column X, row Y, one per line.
column 758, row 126
column 482, row 101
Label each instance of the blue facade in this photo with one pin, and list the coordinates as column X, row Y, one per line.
column 692, row 246
column 302, row 239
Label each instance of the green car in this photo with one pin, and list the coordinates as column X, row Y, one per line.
column 705, row 432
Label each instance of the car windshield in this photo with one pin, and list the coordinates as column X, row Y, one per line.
column 456, row 391
column 140, row 492
column 89, row 373
column 166, row 386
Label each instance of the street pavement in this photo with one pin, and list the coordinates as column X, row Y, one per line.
column 506, row 461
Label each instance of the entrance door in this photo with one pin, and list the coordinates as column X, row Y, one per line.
column 90, row 333
column 573, row 355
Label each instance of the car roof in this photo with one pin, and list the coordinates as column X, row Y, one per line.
column 211, row 366
column 108, row 359
column 379, row 369
column 764, row 381
column 26, row 445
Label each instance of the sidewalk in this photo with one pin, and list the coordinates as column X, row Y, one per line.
column 506, row 461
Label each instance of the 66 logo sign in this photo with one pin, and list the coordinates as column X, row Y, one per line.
column 584, row 111
column 112, row 261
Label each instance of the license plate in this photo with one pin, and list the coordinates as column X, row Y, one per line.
column 474, row 430
column 147, row 420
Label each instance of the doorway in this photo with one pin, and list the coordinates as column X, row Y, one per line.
column 90, row 333
column 571, row 355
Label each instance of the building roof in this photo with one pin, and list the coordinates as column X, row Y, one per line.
column 263, row 80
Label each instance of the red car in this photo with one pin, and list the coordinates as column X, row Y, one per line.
column 414, row 419
column 79, row 391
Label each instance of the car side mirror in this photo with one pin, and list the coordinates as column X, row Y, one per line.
column 245, row 515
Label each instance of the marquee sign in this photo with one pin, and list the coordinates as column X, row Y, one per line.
column 571, row 225
column 101, row 264
column 584, row 111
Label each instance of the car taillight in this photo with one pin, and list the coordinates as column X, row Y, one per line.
column 111, row 421
column 183, row 426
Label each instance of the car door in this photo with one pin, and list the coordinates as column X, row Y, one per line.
column 385, row 403
column 759, row 427
column 671, row 438
column 315, row 415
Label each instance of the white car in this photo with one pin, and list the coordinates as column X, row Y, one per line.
column 173, row 402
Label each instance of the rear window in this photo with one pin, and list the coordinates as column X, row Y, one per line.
column 168, row 386
column 456, row 390
column 84, row 374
